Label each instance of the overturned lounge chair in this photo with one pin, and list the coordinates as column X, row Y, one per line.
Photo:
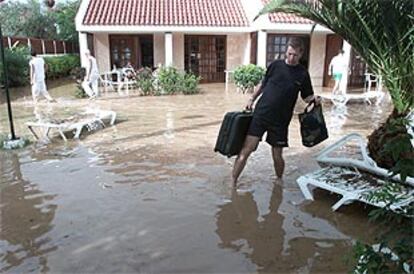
column 74, row 123
column 348, row 171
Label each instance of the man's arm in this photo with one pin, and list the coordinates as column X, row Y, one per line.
column 307, row 92
column 254, row 96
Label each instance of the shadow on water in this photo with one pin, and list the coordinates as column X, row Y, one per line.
column 26, row 217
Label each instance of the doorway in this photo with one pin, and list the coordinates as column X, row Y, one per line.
column 205, row 56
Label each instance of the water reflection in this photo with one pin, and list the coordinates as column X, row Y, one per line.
column 26, row 217
column 271, row 244
column 337, row 116
column 259, row 239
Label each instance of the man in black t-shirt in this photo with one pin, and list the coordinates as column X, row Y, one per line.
column 280, row 87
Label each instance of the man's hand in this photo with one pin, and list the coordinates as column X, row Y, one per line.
column 249, row 104
column 315, row 98
column 318, row 99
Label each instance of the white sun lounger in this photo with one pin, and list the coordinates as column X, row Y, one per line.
column 354, row 176
column 352, row 185
column 87, row 118
column 334, row 155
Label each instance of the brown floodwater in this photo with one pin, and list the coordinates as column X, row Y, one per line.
column 149, row 195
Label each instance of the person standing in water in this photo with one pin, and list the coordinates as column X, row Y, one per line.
column 337, row 69
column 280, row 88
column 37, row 78
column 90, row 85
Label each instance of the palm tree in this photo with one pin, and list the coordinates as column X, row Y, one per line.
column 382, row 32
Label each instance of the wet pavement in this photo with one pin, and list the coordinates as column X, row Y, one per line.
column 149, row 195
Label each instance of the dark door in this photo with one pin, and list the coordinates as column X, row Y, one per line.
column 147, row 51
column 205, row 56
column 358, row 66
column 253, row 48
column 333, row 45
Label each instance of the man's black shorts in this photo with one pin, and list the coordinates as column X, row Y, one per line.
column 277, row 136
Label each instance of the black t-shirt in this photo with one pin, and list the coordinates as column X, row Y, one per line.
column 280, row 88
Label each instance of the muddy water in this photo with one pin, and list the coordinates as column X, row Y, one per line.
column 150, row 195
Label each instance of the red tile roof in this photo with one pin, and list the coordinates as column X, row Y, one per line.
column 288, row 18
column 209, row 13
column 282, row 17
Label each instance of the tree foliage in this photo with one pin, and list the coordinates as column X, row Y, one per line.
column 33, row 18
column 64, row 16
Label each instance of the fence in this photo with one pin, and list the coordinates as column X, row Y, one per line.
column 42, row 46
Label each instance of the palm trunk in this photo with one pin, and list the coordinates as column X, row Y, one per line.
column 388, row 133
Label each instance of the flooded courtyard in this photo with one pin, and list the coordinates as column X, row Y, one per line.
column 149, row 195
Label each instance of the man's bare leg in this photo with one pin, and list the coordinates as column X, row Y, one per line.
column 278, row 161
column 250, row 145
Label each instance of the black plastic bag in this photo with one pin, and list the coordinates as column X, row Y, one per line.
column 312, row 125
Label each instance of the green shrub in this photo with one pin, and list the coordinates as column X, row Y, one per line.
column 17, row 60
column 145, row 81
column 168, row 80
column 61, row 66
column 189, row 83
column 247, row 77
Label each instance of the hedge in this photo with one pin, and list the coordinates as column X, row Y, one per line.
column 18, row 66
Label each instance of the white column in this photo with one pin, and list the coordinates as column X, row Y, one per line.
column 168, row 49
column 83, row 46
column 247, row 49
column 347, row 55
column 261, row 48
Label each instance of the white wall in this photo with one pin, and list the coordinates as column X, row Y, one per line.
column 178, row 53
column 238, row 50
column 159, row 49
column 102, row 51
column 317, row 58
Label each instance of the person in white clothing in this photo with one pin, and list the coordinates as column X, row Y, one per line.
column 37, row 78
column 90, row 85
column 337, row 69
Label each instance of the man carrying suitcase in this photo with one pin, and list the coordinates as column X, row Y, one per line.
column 280, row 87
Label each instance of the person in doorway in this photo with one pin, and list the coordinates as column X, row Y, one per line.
column 337, row 69
column 37, row 78
column 280, row 87
column 90, row 85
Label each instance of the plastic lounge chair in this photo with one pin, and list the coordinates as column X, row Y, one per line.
column 334, row 155
column 353, row 185
column 75, row 124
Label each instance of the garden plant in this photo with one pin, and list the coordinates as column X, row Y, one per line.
column 246, row 77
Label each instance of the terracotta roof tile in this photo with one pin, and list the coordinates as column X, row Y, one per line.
column 287, row 18
column 211, row 13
